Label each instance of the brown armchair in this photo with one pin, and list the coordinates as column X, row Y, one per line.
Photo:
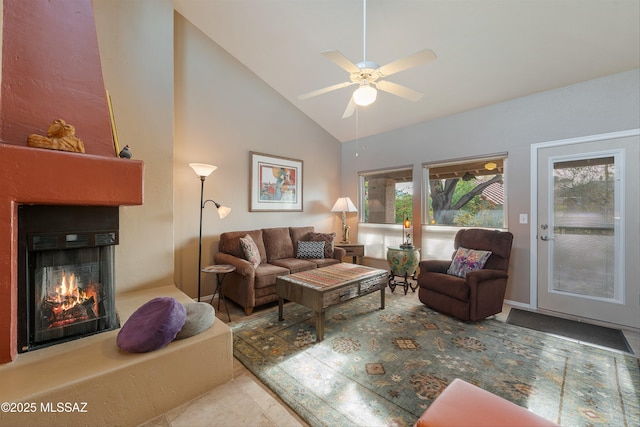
column 478, row 295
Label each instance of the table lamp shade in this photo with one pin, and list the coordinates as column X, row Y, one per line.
column 344, row 204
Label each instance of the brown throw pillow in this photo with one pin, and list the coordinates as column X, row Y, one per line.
column 250, row 250
column 328, row 238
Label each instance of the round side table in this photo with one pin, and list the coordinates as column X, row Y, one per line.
column 220, row 270
column 403, row 263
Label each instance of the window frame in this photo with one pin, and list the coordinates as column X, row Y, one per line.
column 361, row 194
column 426, row 189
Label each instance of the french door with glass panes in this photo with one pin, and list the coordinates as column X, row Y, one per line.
column 588, row 249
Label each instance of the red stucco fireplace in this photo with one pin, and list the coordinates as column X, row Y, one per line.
column 36, row 176
column 51, row 69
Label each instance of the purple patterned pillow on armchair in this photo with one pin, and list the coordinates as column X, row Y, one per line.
column 466, row 260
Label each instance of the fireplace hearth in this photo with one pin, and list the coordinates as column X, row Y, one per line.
column 66, row 269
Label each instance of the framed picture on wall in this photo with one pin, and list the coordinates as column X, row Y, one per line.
column 276, row 184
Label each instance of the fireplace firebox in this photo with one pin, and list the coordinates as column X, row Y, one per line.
column 66, row 269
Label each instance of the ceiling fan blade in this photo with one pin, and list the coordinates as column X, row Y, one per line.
column 324, row 90
column 341, row 61
column 351, row 107
column 399, row 90
column 405, row 63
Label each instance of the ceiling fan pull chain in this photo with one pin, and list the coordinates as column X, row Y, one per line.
column 357, row 138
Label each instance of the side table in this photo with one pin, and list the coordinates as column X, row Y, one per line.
column 220, row 270
column 354, row 250
column 403, row 263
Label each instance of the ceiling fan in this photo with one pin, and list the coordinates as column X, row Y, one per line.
column 368, row 75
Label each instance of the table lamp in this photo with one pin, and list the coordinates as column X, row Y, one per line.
column 406, row 224
column 344, row 205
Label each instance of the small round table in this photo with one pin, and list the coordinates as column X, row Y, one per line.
column 403, row 262
column 220, row 270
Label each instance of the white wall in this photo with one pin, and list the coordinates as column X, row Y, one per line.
column 222, row 113
column 136, row 51
column 603, row 105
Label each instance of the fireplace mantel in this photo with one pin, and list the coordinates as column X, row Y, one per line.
column 37, row 176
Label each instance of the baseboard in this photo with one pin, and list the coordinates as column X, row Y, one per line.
column 517, row 304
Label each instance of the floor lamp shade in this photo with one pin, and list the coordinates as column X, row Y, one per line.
column 202, row 169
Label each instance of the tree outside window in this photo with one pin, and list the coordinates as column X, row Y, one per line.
column 469, row 194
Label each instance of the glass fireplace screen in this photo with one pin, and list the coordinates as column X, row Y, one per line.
column 72, row 293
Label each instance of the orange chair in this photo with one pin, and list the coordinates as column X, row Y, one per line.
column 463, row 404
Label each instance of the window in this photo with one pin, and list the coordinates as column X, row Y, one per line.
column 386, row 196
column 466, row 194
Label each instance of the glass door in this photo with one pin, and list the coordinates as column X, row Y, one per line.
column 588, row 250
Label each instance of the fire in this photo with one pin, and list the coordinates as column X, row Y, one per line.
column 67, row 296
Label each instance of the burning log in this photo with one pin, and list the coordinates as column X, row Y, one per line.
column 58, row 316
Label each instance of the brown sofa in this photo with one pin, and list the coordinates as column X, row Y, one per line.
column 251, row 287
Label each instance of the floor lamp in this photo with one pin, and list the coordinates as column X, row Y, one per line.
column 203, row 170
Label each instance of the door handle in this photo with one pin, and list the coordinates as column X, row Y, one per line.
column 546, row 238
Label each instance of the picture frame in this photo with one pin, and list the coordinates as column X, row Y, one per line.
column 276, row 183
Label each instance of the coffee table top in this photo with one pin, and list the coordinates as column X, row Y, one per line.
column 333, row 275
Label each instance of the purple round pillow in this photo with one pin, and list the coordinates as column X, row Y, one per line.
column 152, row 326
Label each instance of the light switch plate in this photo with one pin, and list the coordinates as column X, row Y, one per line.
column 524, row 218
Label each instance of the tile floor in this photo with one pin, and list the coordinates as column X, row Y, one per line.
column 245, row 401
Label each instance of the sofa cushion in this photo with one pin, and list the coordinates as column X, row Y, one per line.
column 250, row 250
column 152, row 326
column 299, row 233
column 308, row 249
column 277, row 243
column 295, row 265
column 326, row 262
column 266, row 274
column 466, row 260
column 230, row 243
column 328, row 238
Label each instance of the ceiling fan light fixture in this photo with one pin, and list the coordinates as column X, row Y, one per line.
column 365, row 95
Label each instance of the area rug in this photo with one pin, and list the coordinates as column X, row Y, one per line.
column 385, row 367
column 581, row 331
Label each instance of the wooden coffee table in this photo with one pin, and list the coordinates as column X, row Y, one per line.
column 321, row 288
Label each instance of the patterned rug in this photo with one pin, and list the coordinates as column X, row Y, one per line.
column 384, row 367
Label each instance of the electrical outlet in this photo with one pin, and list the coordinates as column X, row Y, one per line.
column 524, row 218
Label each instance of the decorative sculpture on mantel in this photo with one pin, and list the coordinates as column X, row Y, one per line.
column 60, row 136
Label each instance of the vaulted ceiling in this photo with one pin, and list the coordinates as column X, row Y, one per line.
column 488, row 51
